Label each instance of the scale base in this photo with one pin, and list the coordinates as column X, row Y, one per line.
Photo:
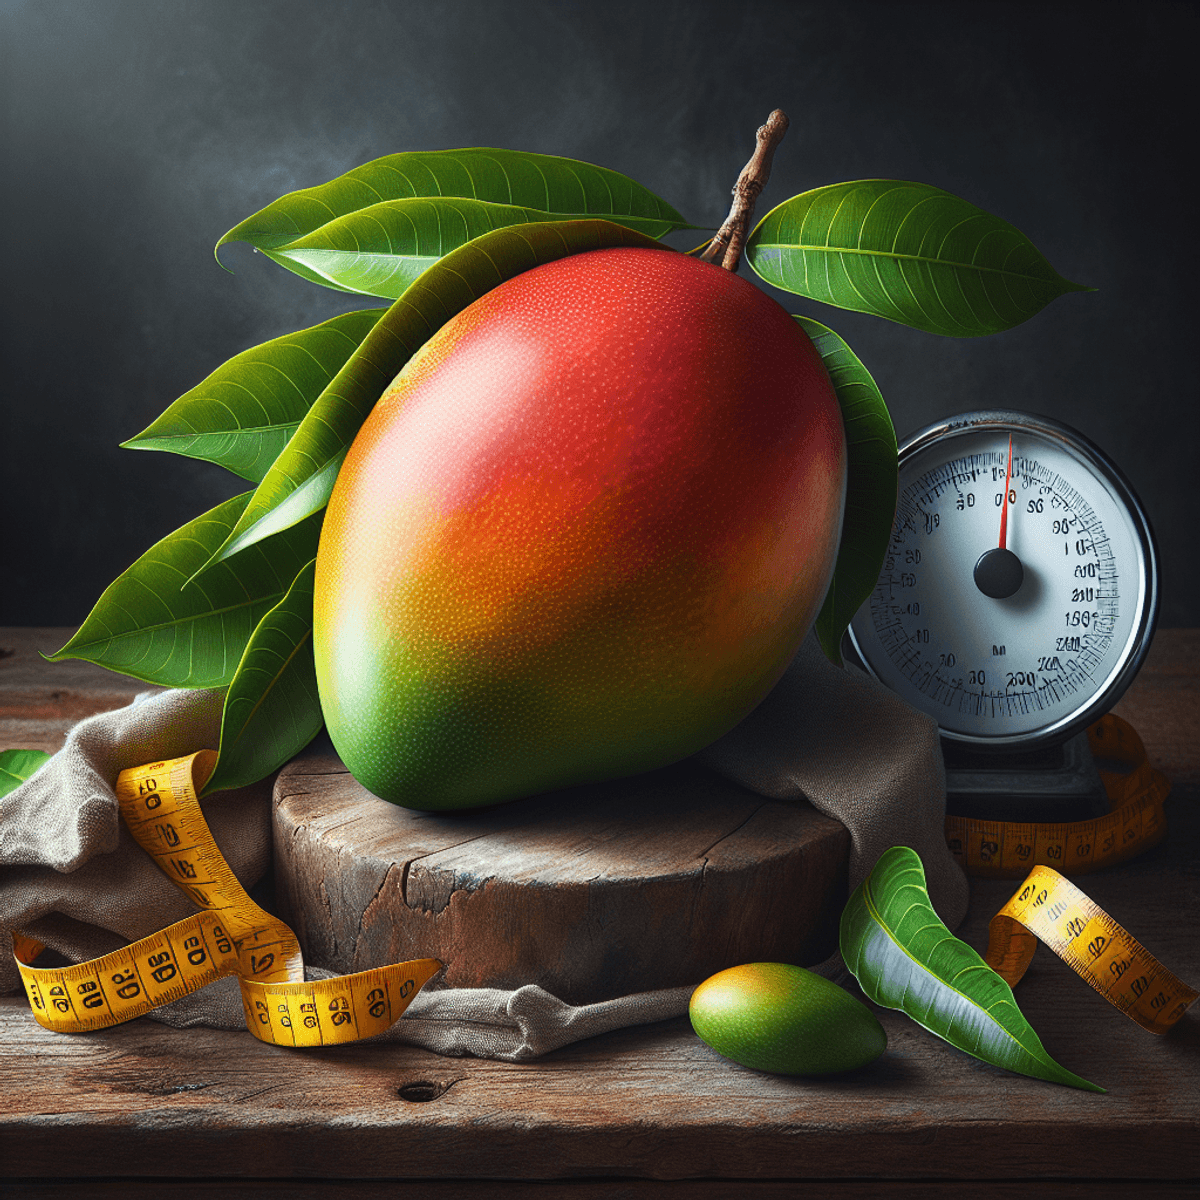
column 1056, row 783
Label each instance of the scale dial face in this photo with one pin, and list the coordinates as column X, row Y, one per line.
column 1014, row 622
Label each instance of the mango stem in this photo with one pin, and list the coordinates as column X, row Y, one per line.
column 729, row 240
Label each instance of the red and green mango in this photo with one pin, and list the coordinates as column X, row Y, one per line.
column 581, row 534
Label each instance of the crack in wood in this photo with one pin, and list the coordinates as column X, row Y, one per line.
column 262, row 1092
column 454, row 887
column 328, row 827
column 698, row 895
column 324, row 894
column 375, row 897
column 725, row 836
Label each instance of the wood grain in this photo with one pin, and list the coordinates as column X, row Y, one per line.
column 596, row 1189
column 40, row 700
column 651, row 1102
column 595, row 892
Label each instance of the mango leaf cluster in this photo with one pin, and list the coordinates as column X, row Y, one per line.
column 226, row 601
column 375, row 229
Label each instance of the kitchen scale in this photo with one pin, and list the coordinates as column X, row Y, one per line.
column 1017, row 600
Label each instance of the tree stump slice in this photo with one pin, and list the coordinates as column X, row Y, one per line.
column 654, row 881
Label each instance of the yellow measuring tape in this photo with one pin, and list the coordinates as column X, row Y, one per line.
column 1088, row 940
column 1051, row 908
column 1007, row 849
column 230, row 936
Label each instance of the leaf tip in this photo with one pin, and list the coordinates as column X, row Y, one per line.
column 1072, row 1080
column 217, row 252
column 211, row 561
column 831, row 648
column 1069, row 285
column 63, row 652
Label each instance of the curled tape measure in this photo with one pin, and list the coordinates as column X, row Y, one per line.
column 1007, row 849
column 1091, row 943
column 230, row 936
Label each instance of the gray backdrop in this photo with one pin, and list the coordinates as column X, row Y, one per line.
column 137, row 131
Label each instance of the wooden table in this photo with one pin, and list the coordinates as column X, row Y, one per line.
column 648, row 1111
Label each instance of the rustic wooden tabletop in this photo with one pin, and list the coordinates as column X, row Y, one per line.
column 647, row 1111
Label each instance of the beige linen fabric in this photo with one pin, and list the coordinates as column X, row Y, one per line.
column 72, row 876
column 856, row 751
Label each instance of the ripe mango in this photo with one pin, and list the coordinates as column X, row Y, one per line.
column 580, row 535
column 781, row 1018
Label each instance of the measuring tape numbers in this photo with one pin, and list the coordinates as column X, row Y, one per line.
column 1007, row 849
column 1052, row 909
column 231, row 935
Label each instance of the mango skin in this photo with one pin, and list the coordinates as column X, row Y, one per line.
column 581, row 534
column 783, row 1019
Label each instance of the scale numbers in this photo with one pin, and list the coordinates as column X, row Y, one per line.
column 1019, row 589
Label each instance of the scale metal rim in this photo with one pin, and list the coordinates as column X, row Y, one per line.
column 1138, row 646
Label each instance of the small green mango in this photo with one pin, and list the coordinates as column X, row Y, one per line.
column 783, row 1019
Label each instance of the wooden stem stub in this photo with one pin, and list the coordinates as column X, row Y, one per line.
column 726, row 246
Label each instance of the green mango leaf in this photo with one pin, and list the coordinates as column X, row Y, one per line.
column 300, row 481
column 908, row 252
column 904, row 957
column 872, row 482
column 148, row 625
column 272, row 710
column 561, row 188
column 381, row 250
column 16, row 766
column 242, row 415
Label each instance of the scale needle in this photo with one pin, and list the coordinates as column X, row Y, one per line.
column 1004, row 506
column 999, row 573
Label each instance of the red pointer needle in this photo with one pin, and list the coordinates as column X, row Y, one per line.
column 999, row 573
column 1004, row 508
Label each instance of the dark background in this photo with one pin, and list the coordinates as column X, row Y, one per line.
column 136, row 132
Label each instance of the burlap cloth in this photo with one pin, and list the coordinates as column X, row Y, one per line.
column 72, row 876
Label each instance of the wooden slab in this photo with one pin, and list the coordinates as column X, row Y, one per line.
column 593, row 892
